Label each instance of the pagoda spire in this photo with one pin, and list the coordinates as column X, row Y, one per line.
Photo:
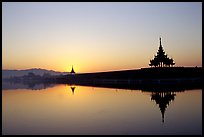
column 72, row 71
column 160, row 42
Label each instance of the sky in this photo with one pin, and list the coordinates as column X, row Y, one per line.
column 99, row 36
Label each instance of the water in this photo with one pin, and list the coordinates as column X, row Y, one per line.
column 65, row 109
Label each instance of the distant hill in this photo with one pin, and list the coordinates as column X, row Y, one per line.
column 36, row 71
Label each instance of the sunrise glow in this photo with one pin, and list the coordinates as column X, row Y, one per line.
column 99, row 36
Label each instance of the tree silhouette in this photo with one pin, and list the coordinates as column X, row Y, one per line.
column 154, row 62
column 172, row 62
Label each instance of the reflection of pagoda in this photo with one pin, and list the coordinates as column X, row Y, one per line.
column 72, row 88
column 163, row 99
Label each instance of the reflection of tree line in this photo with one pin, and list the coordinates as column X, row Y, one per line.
column 25, row 85
column 162, row 96
column 32, row 77
column 31, row 81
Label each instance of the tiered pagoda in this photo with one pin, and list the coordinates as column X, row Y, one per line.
column 161, row 60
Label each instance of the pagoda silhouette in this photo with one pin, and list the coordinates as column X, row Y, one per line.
column 163, row 99
column 72, row 71
column 161, row 60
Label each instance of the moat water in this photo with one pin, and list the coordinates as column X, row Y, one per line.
column 67, row 109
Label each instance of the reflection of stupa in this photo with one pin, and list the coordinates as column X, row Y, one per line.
column 72, row 88
column 163, row 99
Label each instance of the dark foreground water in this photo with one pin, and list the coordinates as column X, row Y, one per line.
column 65, row 109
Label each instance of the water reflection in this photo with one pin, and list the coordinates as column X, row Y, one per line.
column 163, row 97
column 26, row 85
column 73, row 88
column 95, row 110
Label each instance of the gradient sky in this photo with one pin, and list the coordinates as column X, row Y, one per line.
column 99, row 36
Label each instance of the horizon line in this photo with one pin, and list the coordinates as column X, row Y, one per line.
column 97, row 71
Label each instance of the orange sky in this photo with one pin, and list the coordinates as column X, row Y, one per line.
column 99, row 36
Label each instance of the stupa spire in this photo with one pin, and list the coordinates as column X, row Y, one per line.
column 160, row 41
column 72, row 71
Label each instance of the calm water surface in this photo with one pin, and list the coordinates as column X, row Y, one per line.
column 65, row 109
